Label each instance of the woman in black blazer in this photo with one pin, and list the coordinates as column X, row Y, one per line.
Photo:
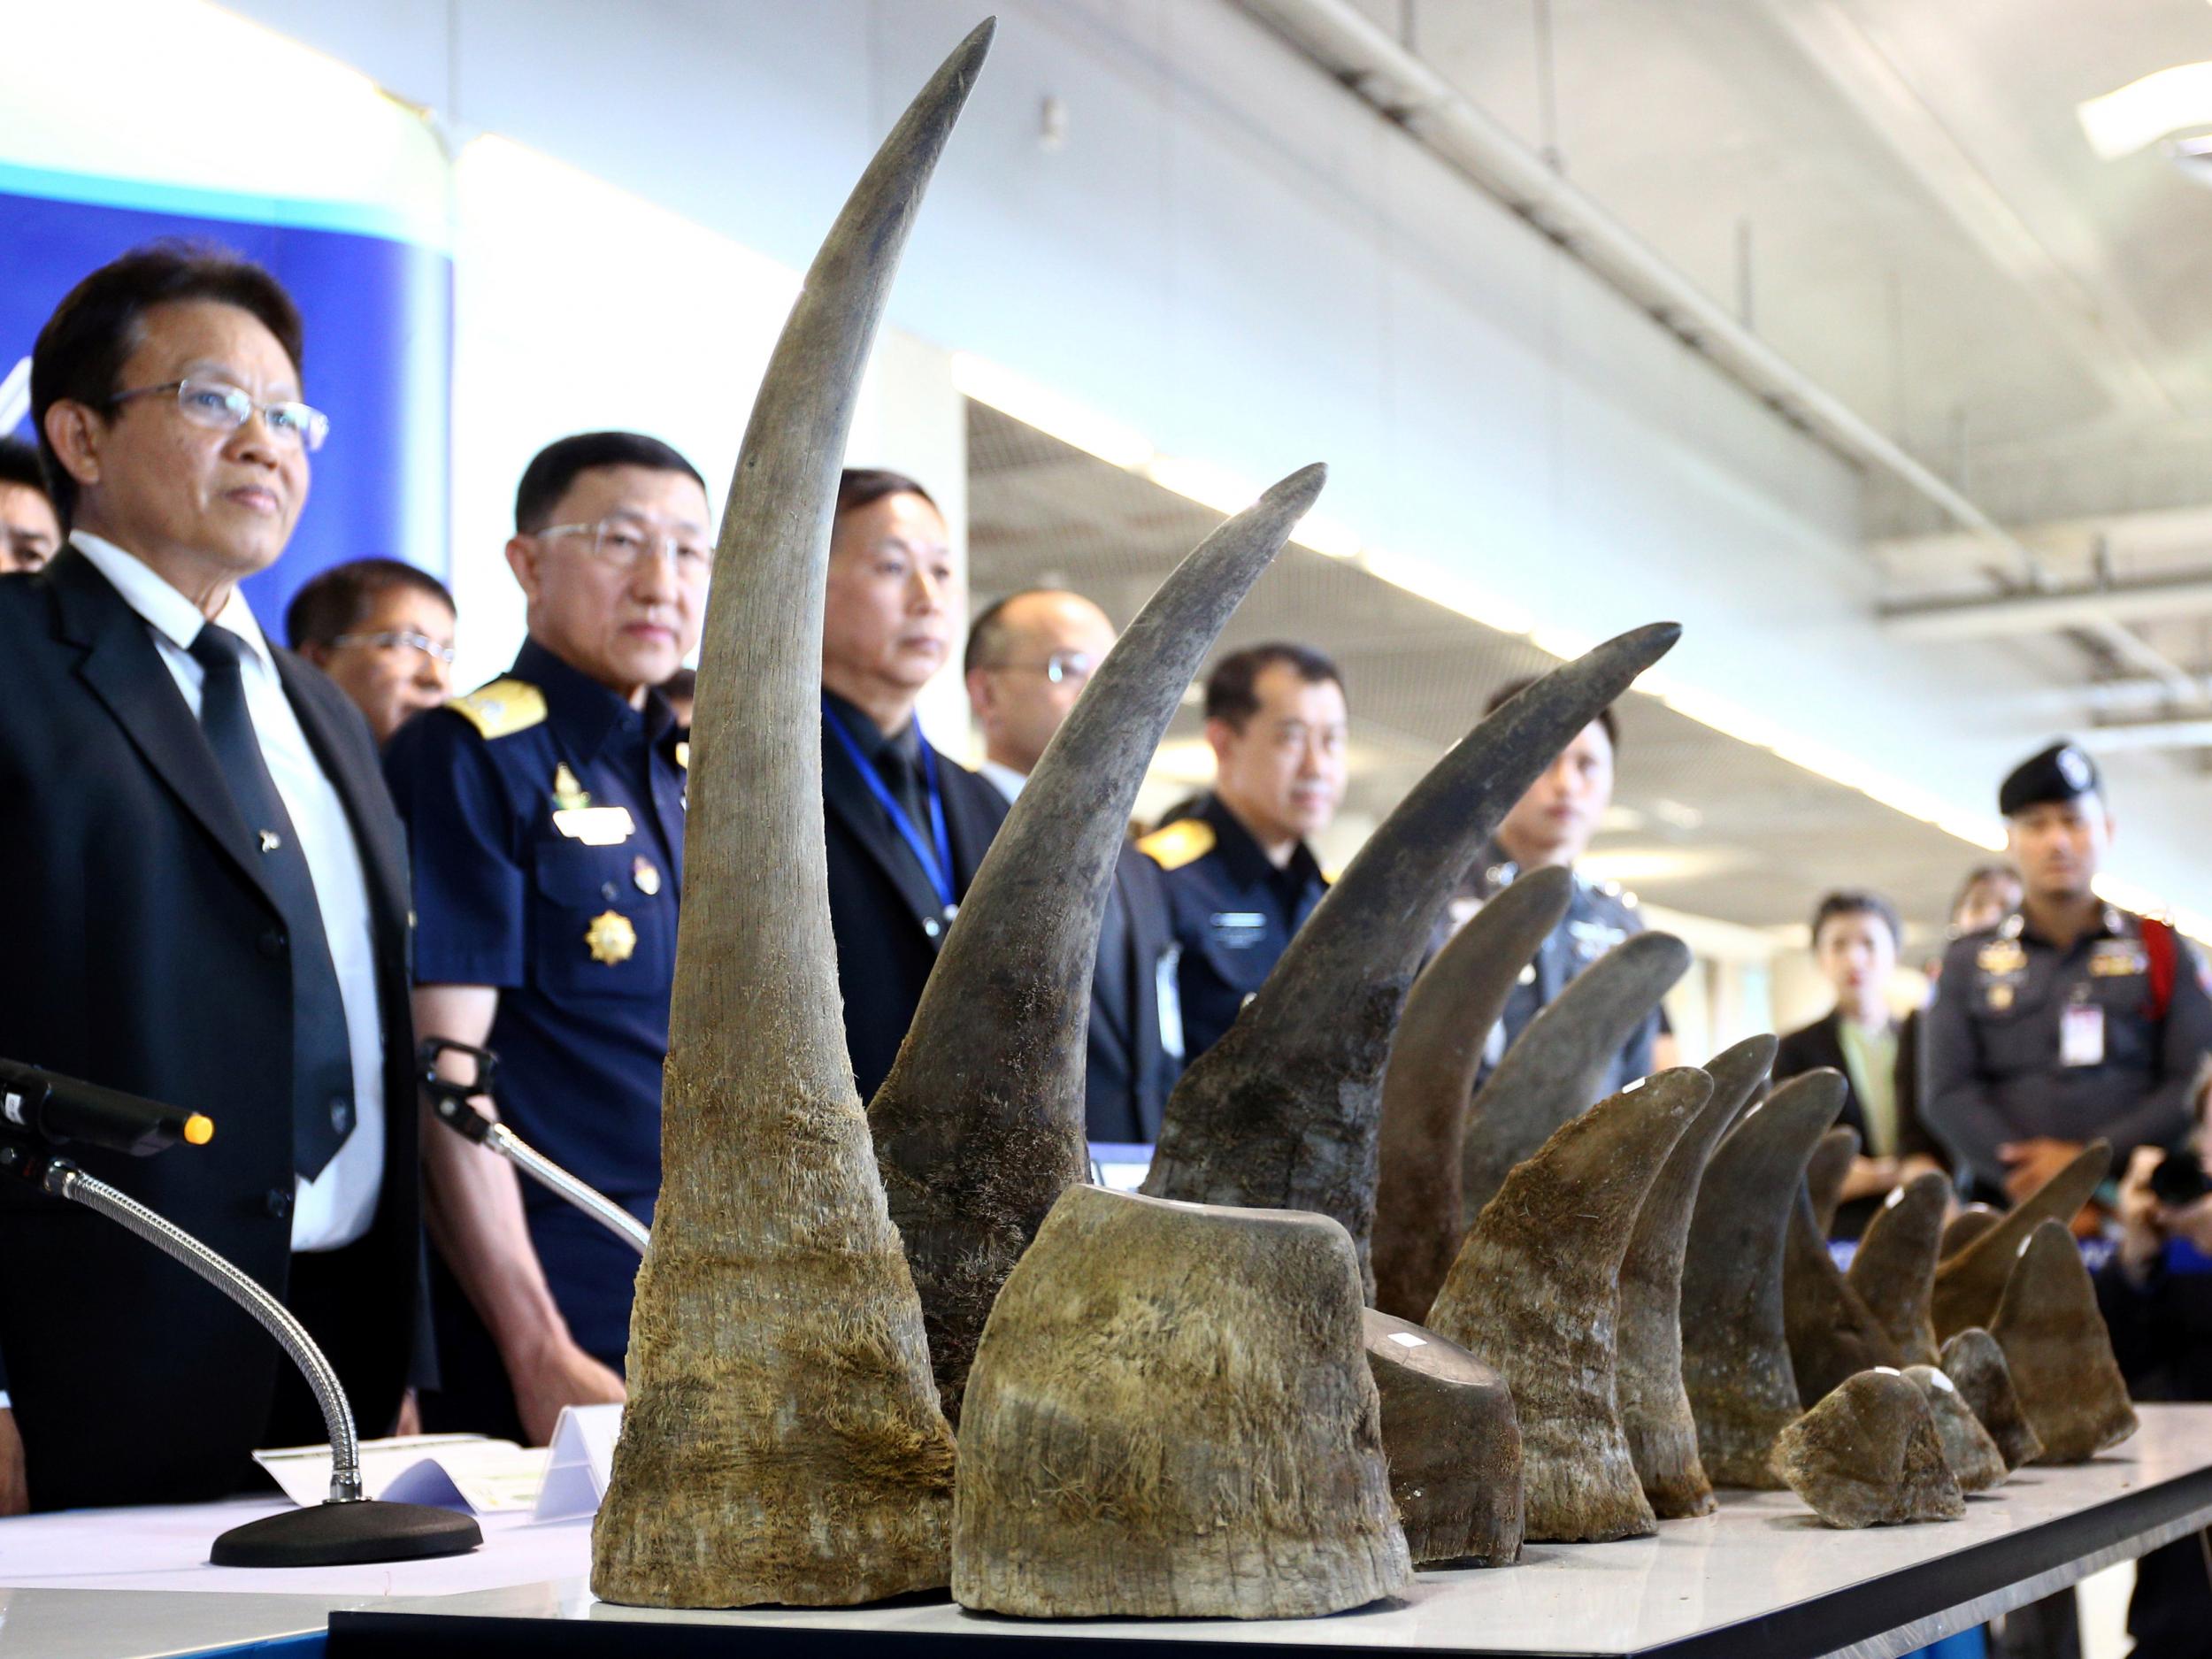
column 1855, row 939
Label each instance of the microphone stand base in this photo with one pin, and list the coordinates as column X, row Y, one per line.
column 337, row 1534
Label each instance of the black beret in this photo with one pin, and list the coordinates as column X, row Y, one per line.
column 2061, row 772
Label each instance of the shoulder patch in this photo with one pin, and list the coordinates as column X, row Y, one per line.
column 502, row 708
column 1181, row 843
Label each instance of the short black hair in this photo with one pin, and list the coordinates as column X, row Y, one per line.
column 859, row 487
column 1231, row 693
column 20, row 465
column 1513, row 688
column 1857, row 902
column 81, row 351
column 554, row 467
column 683, row 683
column 1980, row 873
column 336, row 601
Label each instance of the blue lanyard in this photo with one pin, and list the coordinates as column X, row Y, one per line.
column 925, row 853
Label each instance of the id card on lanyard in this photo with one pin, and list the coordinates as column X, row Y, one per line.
column 934, row 854
column 2081, row 1034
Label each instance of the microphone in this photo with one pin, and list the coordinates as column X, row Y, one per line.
column 62, row 1111
column 348, row 1527
column 449, row 1099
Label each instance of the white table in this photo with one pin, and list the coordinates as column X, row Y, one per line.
column 1762, row 1578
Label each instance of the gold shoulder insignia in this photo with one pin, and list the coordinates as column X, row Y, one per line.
column 502, row 708
column 1181, row 843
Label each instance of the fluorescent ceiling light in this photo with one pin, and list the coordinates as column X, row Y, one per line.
column 1444, row 587
column 1326, row 535
column 1204, row 482
column 2144, row 111
column 1055, row 416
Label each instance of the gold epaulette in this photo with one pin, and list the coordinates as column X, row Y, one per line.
column 502, row 708
column 1179, row 843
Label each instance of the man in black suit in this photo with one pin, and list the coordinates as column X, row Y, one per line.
column 207, row 886
column 1028, row 658
column 906, row 828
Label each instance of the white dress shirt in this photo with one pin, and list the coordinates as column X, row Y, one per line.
column 337, row 1206
column 1009, row 781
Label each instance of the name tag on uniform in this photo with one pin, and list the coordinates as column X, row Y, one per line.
column 2081, row 1034
column 595, row 825
column 1238, row 929
column 2118, row 958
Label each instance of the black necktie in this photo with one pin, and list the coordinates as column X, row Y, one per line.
column 322, row 1054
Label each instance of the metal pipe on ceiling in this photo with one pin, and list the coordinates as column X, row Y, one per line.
column 1356, row 50
column 1972, row 618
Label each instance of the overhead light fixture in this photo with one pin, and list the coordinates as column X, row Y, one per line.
column 2172, row 100
column 1051, row 413
column 1202, row 481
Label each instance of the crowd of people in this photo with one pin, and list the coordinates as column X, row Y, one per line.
column 257, row 875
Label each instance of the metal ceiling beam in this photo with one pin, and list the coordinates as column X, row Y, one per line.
column 2139, row 735
column 2187, row 595
column 1364, row 56
column 2095, row 324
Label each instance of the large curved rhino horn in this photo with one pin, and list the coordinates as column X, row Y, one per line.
column 1970, row 1284
column 979, row 1128
column 1557, row 1068
column 1283, row 1111
column 1433, row 1059
column 782, row 1440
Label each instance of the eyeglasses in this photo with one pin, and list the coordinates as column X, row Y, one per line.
column 404, row 638
column 1061, row 668
column 221, row 407
column 623, row 542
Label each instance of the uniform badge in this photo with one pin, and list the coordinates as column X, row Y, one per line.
column 2118, row 958
column 568, row 795
column 683, row 755
column 611, row 937
column 642, row 872
column 2001, row 955
column 596, row 826
column 2000, row 997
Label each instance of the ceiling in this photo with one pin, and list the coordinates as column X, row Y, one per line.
column 1702, row 822
column 1900, row 199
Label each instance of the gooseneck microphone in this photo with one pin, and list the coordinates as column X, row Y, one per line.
column 62, row 1111
column 40, row 1111
column 449, row 1099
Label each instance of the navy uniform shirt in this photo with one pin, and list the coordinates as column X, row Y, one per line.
column 545, row 817
column 1599, row 916
column 2004, row 1059
column 1230, row 912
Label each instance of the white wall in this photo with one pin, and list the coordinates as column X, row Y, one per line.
column 1235, row 256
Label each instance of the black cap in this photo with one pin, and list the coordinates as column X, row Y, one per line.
column 2061, row 772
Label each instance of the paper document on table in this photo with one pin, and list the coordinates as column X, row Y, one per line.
column 447, row 1471
column 581, row 1463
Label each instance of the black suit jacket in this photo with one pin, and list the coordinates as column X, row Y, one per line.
column 1821, row 1044
column 1127, row 1073
column 146, row 955
column 882, row 909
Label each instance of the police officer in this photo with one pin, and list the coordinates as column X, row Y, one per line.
column 1241, row 878
column 545, row 816
column 1029, row 656
column 1551, row 825
column 2069, row 1020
